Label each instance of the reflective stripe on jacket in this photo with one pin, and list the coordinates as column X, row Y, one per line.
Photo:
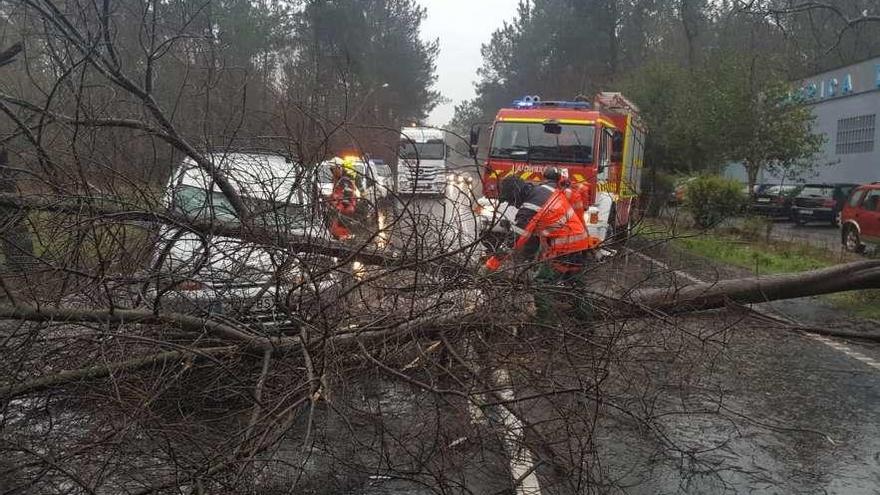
column 547, row 214
column 578, row 195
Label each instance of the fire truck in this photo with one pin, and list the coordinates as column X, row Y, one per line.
column 600, row 143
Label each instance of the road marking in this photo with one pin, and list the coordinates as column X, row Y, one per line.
column 846, row 350
column 836, row 345
column 522, row 462
column 666, row 267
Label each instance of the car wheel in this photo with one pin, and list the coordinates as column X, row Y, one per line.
column 852, row 242
column 798, row 220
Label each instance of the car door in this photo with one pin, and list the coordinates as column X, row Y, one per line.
column 869, row 216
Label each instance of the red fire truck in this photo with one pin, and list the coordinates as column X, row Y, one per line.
column 600, row 143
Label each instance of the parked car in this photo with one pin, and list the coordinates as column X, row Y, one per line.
column 860, row 218
column 820, row 203
column 757, row 188
column 775, row 201
column 223, row 272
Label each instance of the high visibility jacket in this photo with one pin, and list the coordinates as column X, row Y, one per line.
column 344, row 197
column 548, row 215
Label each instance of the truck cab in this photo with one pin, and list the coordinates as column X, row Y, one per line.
column 421, row 164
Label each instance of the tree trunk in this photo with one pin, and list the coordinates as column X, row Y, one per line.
column 752, row 176
column 712, row 295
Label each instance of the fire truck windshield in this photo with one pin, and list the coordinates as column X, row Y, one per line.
column 531, row 142
column 432, row 150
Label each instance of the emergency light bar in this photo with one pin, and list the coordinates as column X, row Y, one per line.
column 536, row 102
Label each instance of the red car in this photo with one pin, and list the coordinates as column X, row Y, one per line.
column 860, row 218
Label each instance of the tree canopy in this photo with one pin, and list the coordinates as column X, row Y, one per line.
column 229, row 72
column 710, row 77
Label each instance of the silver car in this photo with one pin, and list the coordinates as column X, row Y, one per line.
column 226, row 274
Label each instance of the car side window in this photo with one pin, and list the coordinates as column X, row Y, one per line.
column 856, row 198
column 872, row 201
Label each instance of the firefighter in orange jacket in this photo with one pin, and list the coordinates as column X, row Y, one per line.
column 344, row 202
column 545, row 225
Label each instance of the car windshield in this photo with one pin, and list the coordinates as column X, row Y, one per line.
column 531, row 142
column 432, row 150
column 817, row 191
column 200, row 205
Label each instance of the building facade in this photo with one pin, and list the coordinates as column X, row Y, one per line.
column 846, row 103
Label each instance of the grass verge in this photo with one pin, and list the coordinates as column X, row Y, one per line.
column 765, row 256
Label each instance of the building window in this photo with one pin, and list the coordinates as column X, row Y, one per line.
column 856, row 134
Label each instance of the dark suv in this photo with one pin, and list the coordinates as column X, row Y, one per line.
column 820, row 203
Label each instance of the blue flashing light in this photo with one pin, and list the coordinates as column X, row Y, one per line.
column 534, row 102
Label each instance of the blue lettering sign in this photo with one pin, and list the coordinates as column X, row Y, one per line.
column 877, row 68
column 847, row 85
column 832, row 87
column 812, row 90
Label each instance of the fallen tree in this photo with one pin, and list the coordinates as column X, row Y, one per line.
column 713, row 295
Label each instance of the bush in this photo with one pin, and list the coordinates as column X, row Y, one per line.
column 755, row 228
column 711, row 198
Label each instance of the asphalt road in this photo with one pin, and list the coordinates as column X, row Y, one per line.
column 820, row 235
column 437, row 223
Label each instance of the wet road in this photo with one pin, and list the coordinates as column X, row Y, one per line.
column 820, row 235
column 438, row 223
column 790, row 412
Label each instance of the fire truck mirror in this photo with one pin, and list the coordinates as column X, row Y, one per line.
column 474, row 139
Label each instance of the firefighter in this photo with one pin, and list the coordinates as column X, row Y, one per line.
column 546, row 226
column 344, row 201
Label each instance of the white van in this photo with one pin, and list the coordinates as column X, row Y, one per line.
column 227, row 275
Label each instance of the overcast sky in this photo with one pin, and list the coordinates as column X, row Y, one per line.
column 462, row 26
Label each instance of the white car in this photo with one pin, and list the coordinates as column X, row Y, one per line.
column 224, row 274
